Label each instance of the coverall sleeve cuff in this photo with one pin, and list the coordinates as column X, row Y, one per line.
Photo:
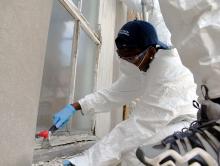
column 84, row 106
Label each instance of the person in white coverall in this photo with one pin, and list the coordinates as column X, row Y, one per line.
column 195, row 29
column 151, row 73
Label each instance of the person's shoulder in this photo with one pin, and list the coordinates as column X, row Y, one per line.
column 167, row 60
column 168, row 52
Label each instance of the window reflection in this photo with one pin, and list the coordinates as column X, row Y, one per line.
column 57, row 66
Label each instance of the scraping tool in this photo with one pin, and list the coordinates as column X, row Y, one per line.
column 45, row 134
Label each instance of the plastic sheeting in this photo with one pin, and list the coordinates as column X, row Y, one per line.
column 155, row 17
column 136, row 4
column 195, row 28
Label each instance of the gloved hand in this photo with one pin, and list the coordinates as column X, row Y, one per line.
column 63, row 116
column 67, row 163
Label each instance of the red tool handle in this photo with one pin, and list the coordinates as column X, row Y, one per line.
column 46, row 133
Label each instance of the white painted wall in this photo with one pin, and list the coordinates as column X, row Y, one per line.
column 107, row 14
column 121, row 19
column 113, row 14
column 23, row 36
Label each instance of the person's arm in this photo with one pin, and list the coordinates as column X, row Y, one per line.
column 124, row 90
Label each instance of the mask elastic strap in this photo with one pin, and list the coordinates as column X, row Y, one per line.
column 140, row 66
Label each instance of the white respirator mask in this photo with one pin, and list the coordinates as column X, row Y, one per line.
column 128, row 68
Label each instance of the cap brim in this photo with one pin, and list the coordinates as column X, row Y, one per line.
column 163, row 46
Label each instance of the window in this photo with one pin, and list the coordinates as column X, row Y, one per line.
column 70, row 61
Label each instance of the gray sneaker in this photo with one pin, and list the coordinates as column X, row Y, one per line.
column 198, row 145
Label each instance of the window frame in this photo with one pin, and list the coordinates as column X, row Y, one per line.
column 104, row 39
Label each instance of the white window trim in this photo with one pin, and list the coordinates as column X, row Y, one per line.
column 80, row 22
column 77, row 15
column 104, row 72
column 74, row 60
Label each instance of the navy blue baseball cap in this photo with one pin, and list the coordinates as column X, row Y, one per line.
column 138, row 34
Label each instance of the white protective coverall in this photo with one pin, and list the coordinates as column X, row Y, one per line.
column 165, row 95
column 195, row 29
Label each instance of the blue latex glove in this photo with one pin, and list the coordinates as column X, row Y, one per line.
column 63, row 116
column 67, row 163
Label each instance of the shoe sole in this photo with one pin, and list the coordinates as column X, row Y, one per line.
column 178, row 160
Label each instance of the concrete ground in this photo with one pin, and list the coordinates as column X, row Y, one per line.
column 54, row 162
column 61, row 147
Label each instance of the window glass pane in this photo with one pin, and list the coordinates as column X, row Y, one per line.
column 89, row 10
column 76, row 2
column 57, row 68
column 85, row 75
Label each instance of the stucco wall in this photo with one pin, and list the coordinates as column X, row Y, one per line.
column 23, row 37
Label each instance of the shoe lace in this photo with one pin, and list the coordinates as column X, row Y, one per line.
column 195, row 125
column 186, row 131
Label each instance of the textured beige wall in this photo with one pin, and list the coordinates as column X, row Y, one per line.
column 23, row 36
